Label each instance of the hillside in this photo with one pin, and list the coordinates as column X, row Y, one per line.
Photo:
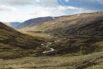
column 14, row 44
column 12, row 24
column 79, row 34
column 76, row 43
column 87, row 24
column 35, row 21
column 91, row 61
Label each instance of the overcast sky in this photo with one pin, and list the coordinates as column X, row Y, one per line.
column 21, row 10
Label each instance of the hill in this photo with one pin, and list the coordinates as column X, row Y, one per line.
column 87, row 24
column 77, row 43
column 12, row 24
column 35, row 21
column 79, row 34
column 14, row 44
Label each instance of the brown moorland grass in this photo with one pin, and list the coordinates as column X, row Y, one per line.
column 58, row 62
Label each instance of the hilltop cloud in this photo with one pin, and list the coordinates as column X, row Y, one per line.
column 56, row 11
column 42, row 8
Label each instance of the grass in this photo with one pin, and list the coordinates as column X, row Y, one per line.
column 58, row 62
column 13, row 44
column 38, row 35
column 98, row 66
column 100, row 43
column 16, row 46
column 72, row 25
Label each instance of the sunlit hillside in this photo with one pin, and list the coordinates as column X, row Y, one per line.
column 80, row 24
column 69, row 42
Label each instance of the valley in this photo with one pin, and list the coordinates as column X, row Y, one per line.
column 65, row 42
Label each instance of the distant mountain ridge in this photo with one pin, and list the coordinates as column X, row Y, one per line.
column 35, row 21
column 15, row 24
column 82, row 24
column 12, row 24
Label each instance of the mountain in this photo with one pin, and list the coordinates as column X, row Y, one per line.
column 15, row 24
column 72, row 34
column 75, row 32
column 87, row 24
column 12, row 24
column 79, row 47
column 14, row 44
column 35, row 21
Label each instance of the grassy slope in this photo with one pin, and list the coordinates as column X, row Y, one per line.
column 66, row 62
column 85, row 24
column 75, row 45
column 99, row 62
column 97, row 66
column 78, row 31
column 82, row 24
column 14, row 44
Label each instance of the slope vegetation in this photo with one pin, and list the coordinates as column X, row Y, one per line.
column 15, row 44
column 80, row 34
column 88, row 24
column 34, row 22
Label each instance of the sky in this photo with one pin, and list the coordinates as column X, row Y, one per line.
column 21, row 10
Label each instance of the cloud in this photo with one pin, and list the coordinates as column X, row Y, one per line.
column 7, row 8
column 55, row 11
column 86, row 4
column 100, row 1
column 96, row 5
column 42, row 8
column 17, row 2
column 30, row 2
column 37, row 1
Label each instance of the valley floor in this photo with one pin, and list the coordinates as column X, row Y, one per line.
column 92, row 61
